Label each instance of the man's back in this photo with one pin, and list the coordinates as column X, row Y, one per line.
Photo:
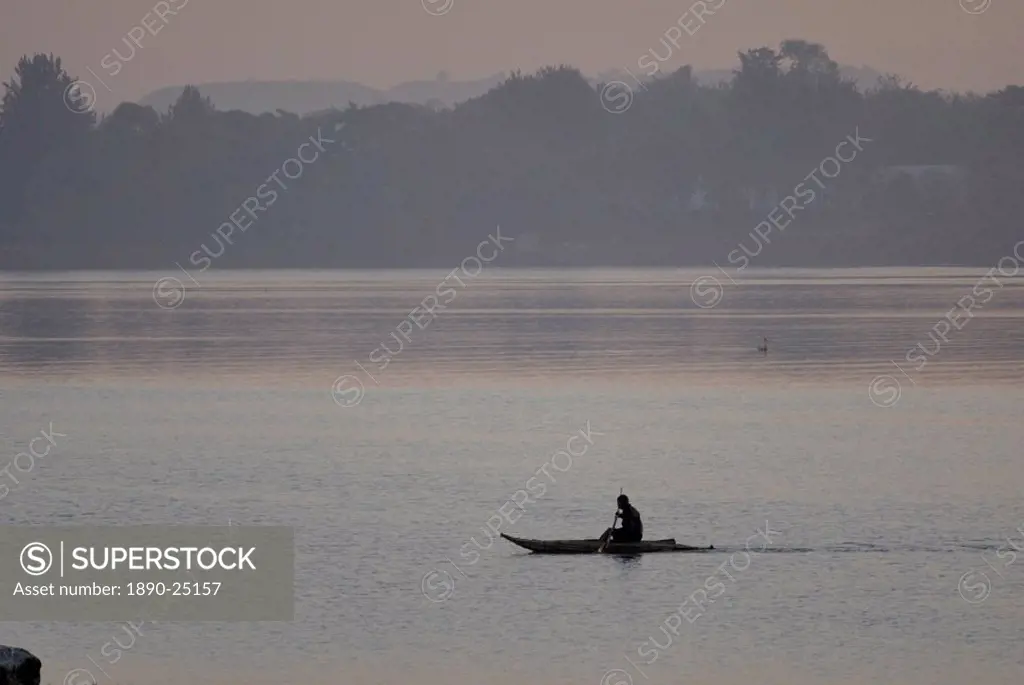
column 632, row 527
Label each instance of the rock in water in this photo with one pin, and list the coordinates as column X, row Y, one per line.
column 18, row 666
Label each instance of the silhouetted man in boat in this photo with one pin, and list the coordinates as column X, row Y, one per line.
column 632, row 528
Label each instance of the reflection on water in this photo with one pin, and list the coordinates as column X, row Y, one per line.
column 219, row 410
column 822, row 325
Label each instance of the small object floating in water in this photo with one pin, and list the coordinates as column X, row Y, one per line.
column 594, row 546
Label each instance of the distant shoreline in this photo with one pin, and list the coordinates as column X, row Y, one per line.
column 513, row 267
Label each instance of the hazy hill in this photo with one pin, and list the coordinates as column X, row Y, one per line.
column 307, row 97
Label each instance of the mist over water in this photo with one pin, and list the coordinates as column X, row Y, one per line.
column 518, row 325
column 221, row 410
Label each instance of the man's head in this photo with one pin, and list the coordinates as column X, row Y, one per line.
column 622, row 501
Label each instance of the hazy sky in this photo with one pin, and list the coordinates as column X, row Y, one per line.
column 936, row 43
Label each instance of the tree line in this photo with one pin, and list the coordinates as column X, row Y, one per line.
column 663, row 172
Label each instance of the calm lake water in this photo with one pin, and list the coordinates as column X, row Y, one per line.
column 262, row 398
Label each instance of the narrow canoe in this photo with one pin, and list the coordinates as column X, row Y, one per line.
column 591, row 546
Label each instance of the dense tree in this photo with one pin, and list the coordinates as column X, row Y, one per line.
column 681, row 177
column 44, row 125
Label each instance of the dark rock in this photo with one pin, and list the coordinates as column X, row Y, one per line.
column 18, row 666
